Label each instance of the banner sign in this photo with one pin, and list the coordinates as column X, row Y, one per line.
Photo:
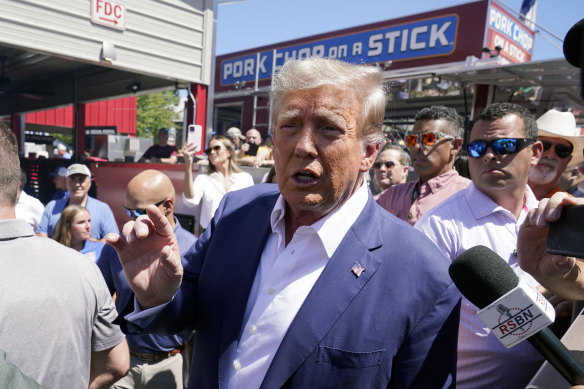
column 418, row 39
column 513, row 37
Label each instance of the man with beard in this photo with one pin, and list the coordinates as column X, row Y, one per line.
column 561, row 145
column 433, row 143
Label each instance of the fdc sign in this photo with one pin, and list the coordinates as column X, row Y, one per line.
column 109, row 14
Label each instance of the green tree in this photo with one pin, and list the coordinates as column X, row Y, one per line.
column 154, row 111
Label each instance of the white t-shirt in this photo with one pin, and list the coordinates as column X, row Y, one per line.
column 30, row 209
column 208, row 192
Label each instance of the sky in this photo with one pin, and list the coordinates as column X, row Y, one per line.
column 255, row 23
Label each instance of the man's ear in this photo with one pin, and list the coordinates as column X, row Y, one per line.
column 456, row 146
column 169, row 205
column 369, row 157
column 536, row 152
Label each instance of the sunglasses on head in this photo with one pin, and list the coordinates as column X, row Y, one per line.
column 388, row 164
column 427, row 138
column 478, row 148
column 136, row 212
column 214, row 148
column 562, row 151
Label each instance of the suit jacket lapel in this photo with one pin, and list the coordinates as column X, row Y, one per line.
column 336, row 287
column 252, row 229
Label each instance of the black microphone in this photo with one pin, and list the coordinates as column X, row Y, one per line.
column 483, row 277
column 574, row 50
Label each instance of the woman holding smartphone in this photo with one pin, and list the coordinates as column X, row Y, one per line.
column 222, row 176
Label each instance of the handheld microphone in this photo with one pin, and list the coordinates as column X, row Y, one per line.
column 574, row 50
column 483, row 277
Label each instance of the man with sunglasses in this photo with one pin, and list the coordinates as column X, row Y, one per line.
column 391, row 167
column 434, row 143
column 561, row 144
column 156, row 361
column 502, row 147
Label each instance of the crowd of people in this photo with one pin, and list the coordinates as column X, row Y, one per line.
column 313, row 282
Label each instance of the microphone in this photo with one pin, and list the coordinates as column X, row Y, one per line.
column 574, row 50
column 487, row 281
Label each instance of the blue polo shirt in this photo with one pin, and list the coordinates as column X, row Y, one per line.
column 113, row 273
column 92, row 249
column 102, row 217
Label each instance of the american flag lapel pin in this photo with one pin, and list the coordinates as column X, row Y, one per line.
column 357, row 269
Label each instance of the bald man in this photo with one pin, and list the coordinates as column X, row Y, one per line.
column 252, row 153
column 156, row 361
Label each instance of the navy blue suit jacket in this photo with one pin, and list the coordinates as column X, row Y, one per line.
column 394, row 326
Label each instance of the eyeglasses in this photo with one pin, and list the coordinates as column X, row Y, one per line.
column 136, row 212
column 214, row 148
column 388, row 164
column 478, row 148
column 562, row 151
column 427, row 138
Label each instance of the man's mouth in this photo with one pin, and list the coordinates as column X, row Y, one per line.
column 305, row 177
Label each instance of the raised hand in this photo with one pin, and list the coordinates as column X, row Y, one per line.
column 560, row 274
column 150, row 257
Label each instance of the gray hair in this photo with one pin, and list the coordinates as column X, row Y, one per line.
column 496, row 111
column 437, row 112
column 404, row 158
column 10, row 172
column 311, row 73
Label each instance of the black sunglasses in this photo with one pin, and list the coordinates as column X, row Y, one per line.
column 478, row 148
column 562, row 151
column 214, row 148
column 388, row 164
column 136, row 212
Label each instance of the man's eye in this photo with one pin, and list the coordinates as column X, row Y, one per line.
column 288, row 126
column 330, row 130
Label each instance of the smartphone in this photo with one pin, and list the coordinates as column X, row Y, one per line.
column 195, row 135
column 566, row 236
column 253, row 149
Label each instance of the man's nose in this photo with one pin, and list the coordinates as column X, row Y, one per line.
column 305, row 145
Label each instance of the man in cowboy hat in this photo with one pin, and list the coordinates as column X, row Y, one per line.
column 561, row 145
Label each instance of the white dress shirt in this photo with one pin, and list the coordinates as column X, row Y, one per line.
column 284, row 278
column 209, row 190
column 467, row 219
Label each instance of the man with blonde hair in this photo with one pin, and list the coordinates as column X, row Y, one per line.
column 312, row 285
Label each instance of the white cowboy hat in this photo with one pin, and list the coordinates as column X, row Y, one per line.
column 558, row 124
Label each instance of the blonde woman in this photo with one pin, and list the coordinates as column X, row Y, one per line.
column 223, row 175
column 74, row 229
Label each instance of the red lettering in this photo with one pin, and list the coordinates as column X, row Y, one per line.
column 118, row 11
column 108, row 9
column 503, row 329
column 512, row 325
column 98, row 5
